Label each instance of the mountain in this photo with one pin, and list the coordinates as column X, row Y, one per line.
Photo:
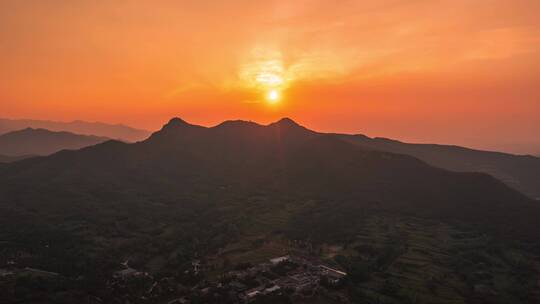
column 9, row 159
column 521, row 172
column 28, row 141
column 120, row 132
column 182, row 161
column 242, row 192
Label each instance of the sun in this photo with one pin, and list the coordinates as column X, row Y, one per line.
column 273, row 96
column 267, row 76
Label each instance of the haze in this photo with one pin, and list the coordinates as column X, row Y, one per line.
column 460, row 72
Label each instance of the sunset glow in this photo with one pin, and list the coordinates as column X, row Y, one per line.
column 277, row 151
column 423, row 71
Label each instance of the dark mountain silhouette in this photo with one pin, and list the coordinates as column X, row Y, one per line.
column 283, row 159
column 521, row 172
column 118, row 131
column 9, row 159
column 28, row 141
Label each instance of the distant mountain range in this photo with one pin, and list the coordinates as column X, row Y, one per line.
column 120, row 132
column 28, row 142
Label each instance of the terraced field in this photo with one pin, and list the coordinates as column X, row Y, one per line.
column 433, row 262
column 396, row 259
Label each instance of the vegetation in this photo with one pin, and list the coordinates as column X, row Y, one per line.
column 241, row 193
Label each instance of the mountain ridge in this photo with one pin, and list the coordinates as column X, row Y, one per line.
column 522, row 172
column 31, row 141
column 278, row 158
column 116, row 131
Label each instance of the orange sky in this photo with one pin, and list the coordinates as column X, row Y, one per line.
column 457, row 71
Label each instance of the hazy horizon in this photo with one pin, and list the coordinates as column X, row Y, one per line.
column 532, row 148
column 457, row 72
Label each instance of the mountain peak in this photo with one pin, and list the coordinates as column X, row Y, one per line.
column 27, row 130
column 288, row 125
column 286, row 121
column 237, row 123
column 174, row 127
column 176, row 122
column 36, row 131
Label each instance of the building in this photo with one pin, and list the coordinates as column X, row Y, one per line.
column 278, row 260
column 272, row 289
column 334, row 276
column 252, row 294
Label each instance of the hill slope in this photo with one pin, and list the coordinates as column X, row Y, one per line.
column 120, row 132
column 521, row 172
column 9, row 159
column 43, row 142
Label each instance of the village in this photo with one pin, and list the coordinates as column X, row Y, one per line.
column 281, row 277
